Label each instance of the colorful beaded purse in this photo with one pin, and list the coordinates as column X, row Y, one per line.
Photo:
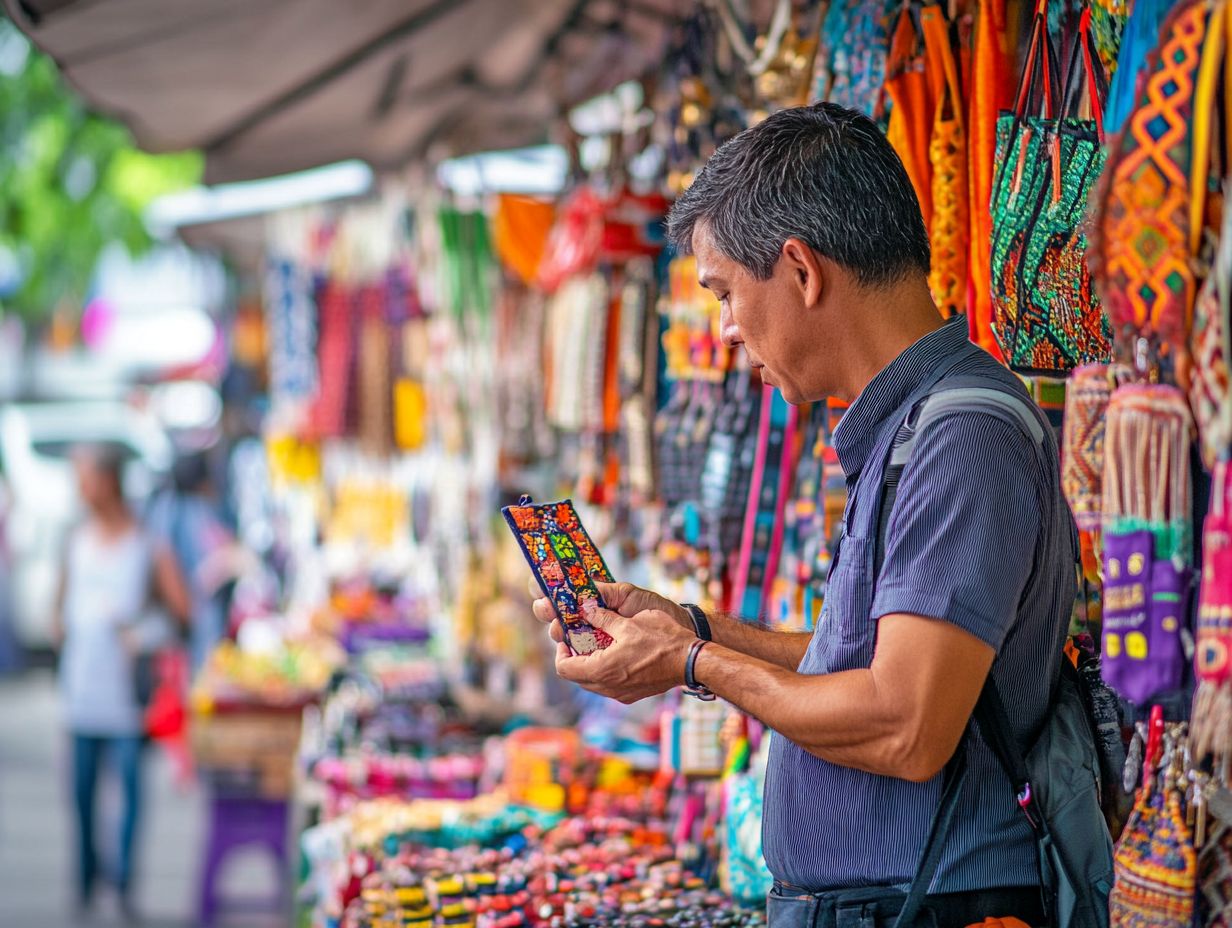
column 566, row 563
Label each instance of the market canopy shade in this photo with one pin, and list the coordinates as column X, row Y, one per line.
column 269, row 86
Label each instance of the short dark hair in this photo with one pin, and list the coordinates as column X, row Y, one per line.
column 823, row 174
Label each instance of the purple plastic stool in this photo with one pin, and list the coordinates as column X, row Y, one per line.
column 238, row 821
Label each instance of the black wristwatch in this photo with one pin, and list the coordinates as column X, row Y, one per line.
column 701, row 624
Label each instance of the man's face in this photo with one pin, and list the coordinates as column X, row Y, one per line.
column 767, row 317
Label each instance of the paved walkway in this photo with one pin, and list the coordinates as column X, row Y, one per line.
column 36, row 838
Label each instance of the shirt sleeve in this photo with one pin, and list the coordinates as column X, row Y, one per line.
column 962, row 540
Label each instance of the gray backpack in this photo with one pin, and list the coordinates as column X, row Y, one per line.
column 1056, row 780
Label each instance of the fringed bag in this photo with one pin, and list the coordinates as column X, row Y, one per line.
column 1146, row 506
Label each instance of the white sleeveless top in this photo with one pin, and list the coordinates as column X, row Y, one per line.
column 108, row 588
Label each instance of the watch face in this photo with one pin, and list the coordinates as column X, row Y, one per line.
column 566, row 563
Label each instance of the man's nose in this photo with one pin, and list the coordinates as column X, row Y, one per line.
column 729, row 332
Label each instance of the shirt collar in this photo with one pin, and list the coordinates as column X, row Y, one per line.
column 857, row 431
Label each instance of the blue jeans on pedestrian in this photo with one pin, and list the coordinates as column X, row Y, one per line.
column 88, row 750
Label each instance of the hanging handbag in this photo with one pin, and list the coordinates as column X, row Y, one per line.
column 1046, row 315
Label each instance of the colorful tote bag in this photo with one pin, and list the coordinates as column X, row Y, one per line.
column 1046, row 315
column 1151, row 202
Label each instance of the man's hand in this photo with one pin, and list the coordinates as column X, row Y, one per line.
column 624, row 599
column 646, row 657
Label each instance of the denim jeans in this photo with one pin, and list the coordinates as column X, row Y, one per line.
column 88, row 751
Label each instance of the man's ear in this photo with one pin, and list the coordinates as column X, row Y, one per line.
column 807, row 270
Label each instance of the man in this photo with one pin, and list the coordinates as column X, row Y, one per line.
column 808, row 231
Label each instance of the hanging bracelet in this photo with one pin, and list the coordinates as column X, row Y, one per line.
column 701, row 624
column 691, row 686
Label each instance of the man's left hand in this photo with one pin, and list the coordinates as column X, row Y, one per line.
column 646, row 657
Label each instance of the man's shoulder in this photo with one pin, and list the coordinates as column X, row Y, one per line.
column 977, row 392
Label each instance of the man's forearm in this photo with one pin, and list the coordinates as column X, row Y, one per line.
column 783, row 649
column 840, row 717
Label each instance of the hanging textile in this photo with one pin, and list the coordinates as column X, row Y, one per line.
column 767, row 496
column 291, row 319
column 991, row 91
column 1108, row 19
column 948, row 160
column 1139, row 39
column 1149, row 214
column 1206, row 378
column 1212, row 714
column 374, row 376
column 1082, row 440
column 520, row 229
column 851, row 59
column 1147, row 546
column 336, row 353
column 1046, row 315
column 911, row 118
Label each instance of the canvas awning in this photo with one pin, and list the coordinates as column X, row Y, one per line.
column 270, row 86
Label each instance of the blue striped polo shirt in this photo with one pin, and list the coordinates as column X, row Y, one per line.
column 979, row 536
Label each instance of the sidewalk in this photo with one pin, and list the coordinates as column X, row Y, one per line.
column 36, row 837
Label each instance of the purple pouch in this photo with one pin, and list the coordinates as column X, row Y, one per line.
column 1143, row 612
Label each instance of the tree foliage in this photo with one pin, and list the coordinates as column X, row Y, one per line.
column 71, row 182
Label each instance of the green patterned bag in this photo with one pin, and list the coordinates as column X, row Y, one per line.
column 1046, row 314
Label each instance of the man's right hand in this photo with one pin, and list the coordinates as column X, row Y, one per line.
column 623, row 598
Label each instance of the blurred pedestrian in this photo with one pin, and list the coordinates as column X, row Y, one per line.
column 104, row 623
column 189, row 520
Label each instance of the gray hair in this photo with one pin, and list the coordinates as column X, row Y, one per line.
column 823, row 174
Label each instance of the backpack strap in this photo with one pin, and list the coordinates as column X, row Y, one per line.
column 997, row 731
column 1001, row 403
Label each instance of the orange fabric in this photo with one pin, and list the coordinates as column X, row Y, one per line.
column 991, row 91
column 911, row 118
column 1005, row 922
column 520, row 231
column 950, row 226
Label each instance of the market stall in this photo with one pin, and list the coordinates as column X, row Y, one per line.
column 432, row 358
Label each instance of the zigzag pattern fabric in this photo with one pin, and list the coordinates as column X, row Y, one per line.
column 1143, row 247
